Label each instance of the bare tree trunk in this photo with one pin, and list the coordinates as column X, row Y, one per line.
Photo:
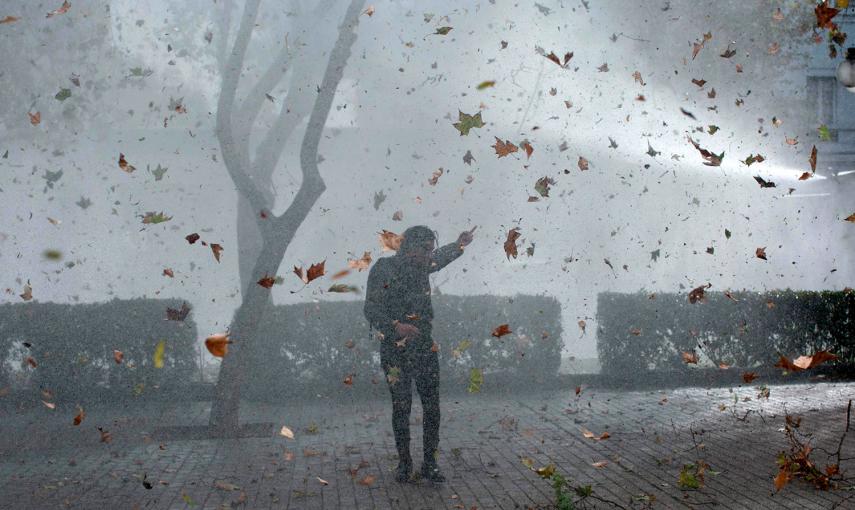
column 276, row 232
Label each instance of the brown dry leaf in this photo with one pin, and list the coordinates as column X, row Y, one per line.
column 710, row 159
column 511, row 242
column 600, row 464
column 168, row 272
column 697, row 294
column 806, row 362
column 367, row 480
column 118, row 356
column 590, row 435
column 749, row 376
column 32, row 362
column 699, row 83
column 527, row 148
column 578, row 390
column 287, row 432
column 729, row 296
column 315, row 270
column 582, row 325
column 216, row 248
column 824, row 15
column 690, row 357
column 8, row 19
column 61, row 10
column 637, row 76
column 697, row 46
column 786, row 364
column 218, row 344
column 80, row 415
column 192, row 238
column 583, row 163
column 435, row 177
column 398, row 216
column 501, row 330
column 362, row 263
column 35, row 118
column 340, row 274
column 390, row 241
column 812, row 159
column 760, row 253
column 434, row 347
column 783, row 477
column 850, row 218
column 778, row 15
column 124, row 165
column 349, row 380
column 28, row 293
column 369, row 11
column 267, row 282
column 504, row 148
column 774, row 48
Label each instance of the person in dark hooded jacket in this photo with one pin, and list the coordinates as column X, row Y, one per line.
column 398, row 308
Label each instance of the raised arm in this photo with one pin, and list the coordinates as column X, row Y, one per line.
column 443, row 256
column 376, row 298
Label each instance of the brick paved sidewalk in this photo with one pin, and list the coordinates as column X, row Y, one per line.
column 343, row 453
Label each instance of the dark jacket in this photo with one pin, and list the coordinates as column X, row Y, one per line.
column 398, row 288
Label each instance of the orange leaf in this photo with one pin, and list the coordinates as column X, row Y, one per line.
column 807, row 362
column 341, row 274
column 35, row 118
column 367, row 480
column 690, row 357
column 749, row 376
column 786, row 364
column 782, row 478
column 824, row 15
column 362, row 263
column 390, row 241
column 218, row 345
column 349, row 380
column 501, row 330
column 168, row 272
column 528, row 149
column 80, row 415
column 760, row 253
column 504, row 148
column 118, row 356
column 583, row 163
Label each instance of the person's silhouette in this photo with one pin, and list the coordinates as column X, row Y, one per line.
column 398, row 307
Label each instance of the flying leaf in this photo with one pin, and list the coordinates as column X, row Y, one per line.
column 754, row 159
column 812, row 159
column 80, row 415
column 124, row 165
column 760, row 253
column 511, row 244
column 28, row 293
column 340, row 287
column 583, row 163
column 467, row 122
column 118, row 356
column 501, row 330
column 315, row 271
column 467, row 158
column 850, row 218
column 8, row 19
column 763, row 183
column 192, row 238
column 216, row 248
column 486, row 84
column 168, row 272
column 690, row 357
column 390, row 241
column 504, row 148
column 435, row 177
column 63, row 94
column 442, row 31
column 824, row 133
column 697, row 46
column 61, row 10
column 749, row 376
column 637, row 76
column 824, row 15
column 177, row 315
column 35, row 118
column 711, row 129
column 603, row 68
column 362, row 263
column 651, row 151
column 476, row 379
column 590, row 435
column 369, row 11
column 267, row 282
column 154, row 218
column 218, row 344
column 542, row 185
column 699, row 83
column 697, row 294
column 728, row 52
column 157, row 172
column 528, row 149
column 158, row 354
column 710, row 158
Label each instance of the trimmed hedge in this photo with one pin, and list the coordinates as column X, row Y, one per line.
column 753, row 331
column 301, row 348
column 73, row 347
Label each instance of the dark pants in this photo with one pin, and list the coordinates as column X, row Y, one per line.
column 402, row 364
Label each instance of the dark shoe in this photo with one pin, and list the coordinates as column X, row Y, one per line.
column 430, row 471
column 404, row 471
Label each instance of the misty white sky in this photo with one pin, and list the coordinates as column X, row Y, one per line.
column 391, row 128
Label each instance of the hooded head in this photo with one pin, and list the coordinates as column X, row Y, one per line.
column 418, row 243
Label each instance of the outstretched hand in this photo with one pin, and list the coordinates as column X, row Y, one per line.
column 466, row 237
